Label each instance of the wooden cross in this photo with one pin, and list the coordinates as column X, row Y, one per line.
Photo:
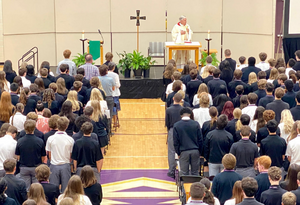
column 137, row 17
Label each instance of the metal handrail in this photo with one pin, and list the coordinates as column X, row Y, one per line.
column 33, row 53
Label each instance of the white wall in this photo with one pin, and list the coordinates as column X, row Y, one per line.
column 55, row 25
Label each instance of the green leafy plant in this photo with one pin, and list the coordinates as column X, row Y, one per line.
column 215, row 61
column 79, row 60
column 125, row 61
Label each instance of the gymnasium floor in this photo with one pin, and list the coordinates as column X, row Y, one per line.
column 135, row 166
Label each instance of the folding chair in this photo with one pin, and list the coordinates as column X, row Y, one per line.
column 185, row 184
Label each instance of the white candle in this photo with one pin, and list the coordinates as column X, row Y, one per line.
column 208, row 34
column 82, row 35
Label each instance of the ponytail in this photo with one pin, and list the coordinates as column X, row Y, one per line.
column 238, row 125
column 209, row 198
column 19, row 108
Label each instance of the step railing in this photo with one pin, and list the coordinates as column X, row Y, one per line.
column 32, row 54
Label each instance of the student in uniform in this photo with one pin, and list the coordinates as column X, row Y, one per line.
column 214, row 84
column 59, row 147
column 263, row 132
column 236, row 82
column 30, row 152
column 269, row 97
column 296, row 110
column 217, row 144
column 290, row 95
column 69, row 80
column 263, row 164
column 273, row 195
column 249, row 186
column 239, row 90
column 193, row 85
column 172, row 116
column 245, row 153
column 188, row 142
column 86, row 151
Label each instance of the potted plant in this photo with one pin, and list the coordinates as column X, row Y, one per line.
column 137, row 62
column 125, row 63
column 79, row 60
column 146, row 66
column 215, row 61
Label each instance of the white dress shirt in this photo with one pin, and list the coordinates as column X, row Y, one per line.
column 287, row 70
column 253, row 125
column 241, row 66
column 60, row 145
column 115, row 76
column 201, row 115
column 170, row 88
column 7, row 149
column 26, row 83
column 283, row 134
column 18, row 121
column 103, row 105
column 293, row 150
column 250, row 110
column 263, row 66
column 196, row 100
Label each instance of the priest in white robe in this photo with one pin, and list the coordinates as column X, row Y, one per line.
column 181, row 33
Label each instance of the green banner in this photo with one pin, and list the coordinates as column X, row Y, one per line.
column 95, row 49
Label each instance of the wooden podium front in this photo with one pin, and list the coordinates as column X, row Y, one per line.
column 186, row 46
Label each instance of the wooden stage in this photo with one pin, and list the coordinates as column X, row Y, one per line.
column 136, row 163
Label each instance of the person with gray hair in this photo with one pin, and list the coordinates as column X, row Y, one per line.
column 116, row 92
column 181, row 32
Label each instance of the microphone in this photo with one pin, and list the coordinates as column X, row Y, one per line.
column 101, row 36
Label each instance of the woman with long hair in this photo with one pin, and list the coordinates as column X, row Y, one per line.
column 286, row 124
column 96, row 95
column 294, row 132
column 66, row 110
column 202, row 89
column 290, row 182
column 258, row 120
column 18, row 119
column 10, row 73
column 201, row 114
column 273, row 75
column 220, row 101
column 231, row 125
column 41, row 87
column 76, row 105
column 252, row 80
column 280, row 63
column 6, row 108
column 50, row 102
column 75, row 191
column 61, row 87
column 25, row 92
column 4, row 200
column 95, row 83
column 243, row 101
column 91, row 188
column 36, row 192
column 237, row 194
column 100, row 123
column 168, row 72
column 4, row 84
column 30, row 73
column 226, row 72
column 228, row 110
column 210, row 124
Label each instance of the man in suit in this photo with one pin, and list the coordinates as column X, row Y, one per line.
column 188, row 142
column 237, row 81
column 16, row 188
column 296, row 110
column 297, row 65
column 232, row 62
column 278, row 105
column 251, row 68
column 214, row 84
column 249, row 186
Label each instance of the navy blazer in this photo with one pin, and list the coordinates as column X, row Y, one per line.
column 246, row 71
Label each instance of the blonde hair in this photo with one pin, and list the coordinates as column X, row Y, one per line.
column 72, row 97
column 237, row 113
column 96, row 95
column 181, row 92
column 273, row 74
column 287, row 120
column 204, row 100
column 61, row 86
column 97, row 110
column 252, row 78
column 202, row 88
column 205, row 73
column 294, row 131
column 74, row 189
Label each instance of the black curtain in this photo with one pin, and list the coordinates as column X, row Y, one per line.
column 290, row 46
